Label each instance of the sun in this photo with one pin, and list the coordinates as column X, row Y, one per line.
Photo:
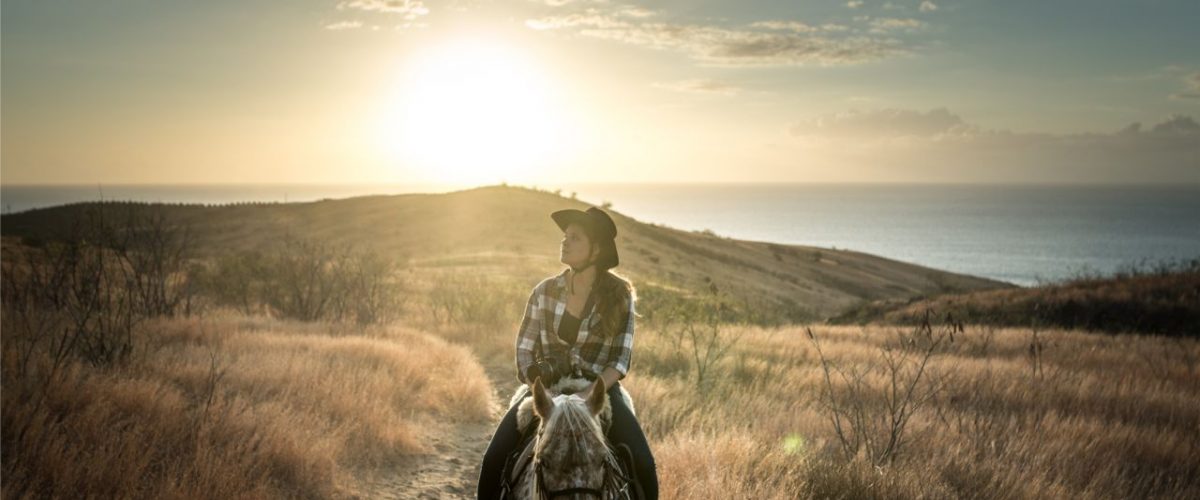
column 474, row 112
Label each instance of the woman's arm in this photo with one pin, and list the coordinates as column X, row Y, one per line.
column 620, row 354
column 529, row 334
column 610, row 376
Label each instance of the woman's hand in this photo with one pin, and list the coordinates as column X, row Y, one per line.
column 587, row 391
column 610, row 376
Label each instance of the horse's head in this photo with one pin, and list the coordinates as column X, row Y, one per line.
column 571, row 455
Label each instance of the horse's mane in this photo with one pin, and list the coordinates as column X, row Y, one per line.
column 572, row 413
column 526, row 417
column 572, row 431
column 570, row 421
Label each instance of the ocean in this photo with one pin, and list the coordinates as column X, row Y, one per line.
column 1019, row 234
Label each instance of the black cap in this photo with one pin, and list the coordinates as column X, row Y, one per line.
column 600, row 228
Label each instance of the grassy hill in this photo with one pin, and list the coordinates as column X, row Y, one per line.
column 1165, row 300
column 503, row 230
column 224, row 401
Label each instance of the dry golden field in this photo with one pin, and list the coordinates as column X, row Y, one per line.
column 229, row 406
column 234, row 406
column 1085, row 416
column 134, row 366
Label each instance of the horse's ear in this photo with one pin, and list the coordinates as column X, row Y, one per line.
column 595, row 401
column 542, row 404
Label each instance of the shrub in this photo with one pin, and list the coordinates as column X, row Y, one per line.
column 308, row 280
column 70, row 296
column 870, row 422
column 233, row 407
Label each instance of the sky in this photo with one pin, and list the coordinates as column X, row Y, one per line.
column 559, row 91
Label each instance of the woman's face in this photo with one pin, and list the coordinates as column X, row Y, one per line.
column 575, row 247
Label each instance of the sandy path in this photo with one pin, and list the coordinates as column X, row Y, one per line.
column 452, row 468
column 450, row 471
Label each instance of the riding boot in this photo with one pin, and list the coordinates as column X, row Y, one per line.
column 626, row 430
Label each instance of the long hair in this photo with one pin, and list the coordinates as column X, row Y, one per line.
column 614, row 295
column 614, row 300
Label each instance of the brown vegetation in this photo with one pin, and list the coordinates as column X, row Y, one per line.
column 283, row 367
column 114, row 388
column 232, row 407
column 1002, row 413
column 1162, row 299
column 307, row 280
column 1104, row 417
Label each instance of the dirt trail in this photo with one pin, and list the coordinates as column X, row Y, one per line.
column 451, row 469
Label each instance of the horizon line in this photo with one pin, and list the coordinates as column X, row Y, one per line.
column 463, row 187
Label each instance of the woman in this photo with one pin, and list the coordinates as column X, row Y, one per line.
column 580, row 322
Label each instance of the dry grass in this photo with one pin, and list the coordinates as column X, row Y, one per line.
column 237, row 406
column 234, row 407
column 246, row 407
column 1106, row 417
column 1164, row 300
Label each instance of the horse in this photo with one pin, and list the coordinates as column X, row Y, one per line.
column 569, row 455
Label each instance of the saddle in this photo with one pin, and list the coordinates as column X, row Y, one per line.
column 522, row 455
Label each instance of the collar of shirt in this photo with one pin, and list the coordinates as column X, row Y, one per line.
column 560, row 295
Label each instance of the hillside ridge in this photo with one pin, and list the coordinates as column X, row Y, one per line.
column 507, row 230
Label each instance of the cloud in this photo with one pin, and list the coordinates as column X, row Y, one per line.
column 854, row 4
column 831, row 27
column 634, row 11
column 927, row 6
column 700, row 86
column 590, row 19
column 941, row 124
column 629, row 10
column 765, row 43
column 1178, row 125
column 1192, row 82
column 939, row 145
column 799, row 27
column 793, row 26
column 343, row 25
column 885, row 124
column 408, row 9
column 888, row 24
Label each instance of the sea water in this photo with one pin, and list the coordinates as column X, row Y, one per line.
column 1019, row 234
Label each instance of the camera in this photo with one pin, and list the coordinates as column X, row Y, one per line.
column 549, row 369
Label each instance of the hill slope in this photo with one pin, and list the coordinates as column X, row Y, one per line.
column 507, row 230
column 1165, row 301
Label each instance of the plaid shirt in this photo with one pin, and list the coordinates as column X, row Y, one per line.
column 590, row 354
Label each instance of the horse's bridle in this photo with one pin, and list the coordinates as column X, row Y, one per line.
column 616, row 481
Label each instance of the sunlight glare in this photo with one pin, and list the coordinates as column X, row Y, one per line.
column 475, row 112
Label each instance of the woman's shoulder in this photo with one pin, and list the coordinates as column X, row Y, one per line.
column 550, row 284
column 621, row 285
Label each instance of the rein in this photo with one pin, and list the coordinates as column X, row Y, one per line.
column 615, row 483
